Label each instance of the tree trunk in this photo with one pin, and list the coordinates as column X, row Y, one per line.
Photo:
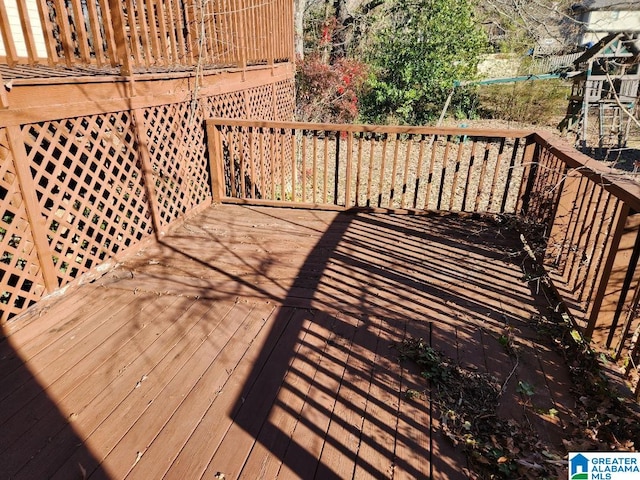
column 339, row 41
column 299, row 6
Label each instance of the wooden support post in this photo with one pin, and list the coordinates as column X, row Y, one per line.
column 147, row 172
column 4, row 98
column 32, row 207
column 216, row 160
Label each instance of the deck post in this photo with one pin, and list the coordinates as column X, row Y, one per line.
column 214, row 144
column 147, row 171
column 32, row 207
column 4, row 98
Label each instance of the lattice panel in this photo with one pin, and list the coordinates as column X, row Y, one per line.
column 180, row 166
column 285, row 100
column 21, row 281
column 227, row 105
column 90, row 189
column 260, row 100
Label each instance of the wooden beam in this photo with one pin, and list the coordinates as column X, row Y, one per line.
column 147, row 172
column 90, row 96
column 216, row 161
column 32, row 207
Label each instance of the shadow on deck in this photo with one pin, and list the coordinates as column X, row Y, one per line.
column 260, row 343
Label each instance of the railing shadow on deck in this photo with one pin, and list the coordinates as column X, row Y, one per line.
column 368, row 282
column 27, row 411
column 580, row 217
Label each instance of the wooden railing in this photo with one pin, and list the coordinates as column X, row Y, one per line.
column 580, row 219
column 139, row 34
column 406, row 168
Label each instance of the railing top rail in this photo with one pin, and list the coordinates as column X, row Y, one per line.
column 611, row 179
column 334, row 127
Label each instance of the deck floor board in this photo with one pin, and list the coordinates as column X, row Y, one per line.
column 256, row 342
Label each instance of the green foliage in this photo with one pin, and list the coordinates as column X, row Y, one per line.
column 418, row 52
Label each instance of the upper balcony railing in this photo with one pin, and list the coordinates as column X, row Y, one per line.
column 142, row 34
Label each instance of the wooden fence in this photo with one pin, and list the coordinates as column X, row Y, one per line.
column 581, row 219
column 140, row 34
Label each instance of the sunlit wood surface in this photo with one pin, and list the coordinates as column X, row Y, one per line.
column 259, row 343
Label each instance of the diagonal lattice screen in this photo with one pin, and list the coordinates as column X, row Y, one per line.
column 89, row 188
column 284, row 100
column 178, row 158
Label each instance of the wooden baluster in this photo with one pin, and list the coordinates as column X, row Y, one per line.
column 120, row 35
column 7, row 37
column 47, row 28
column 27, row 31
column 65, row 31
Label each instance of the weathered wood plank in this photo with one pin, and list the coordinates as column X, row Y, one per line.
column 274, row 437
column 235, row 387
column 159, row 455
column 377, row 438
column 76, row 405
column 163, row 361
column 123, row 455
column 207, row 437
column 309, row 436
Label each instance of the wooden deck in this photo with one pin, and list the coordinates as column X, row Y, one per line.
column 259, row 343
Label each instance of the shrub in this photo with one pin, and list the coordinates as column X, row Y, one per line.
column 418, row 52
column 328, row 92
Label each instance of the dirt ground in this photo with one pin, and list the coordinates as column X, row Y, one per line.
column 624, row 158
